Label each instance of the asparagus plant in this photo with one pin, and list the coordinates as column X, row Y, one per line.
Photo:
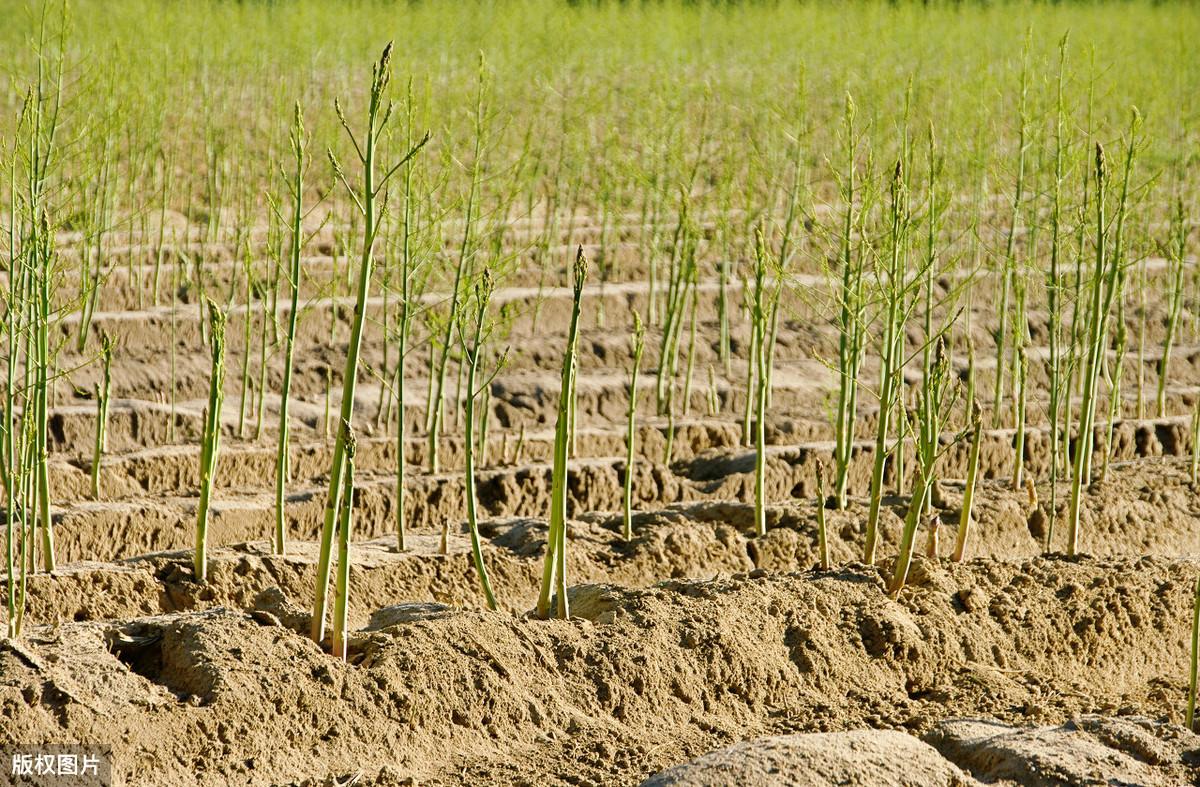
column 936, row 396
column 365, row 199
column 1059, row 376
column 893, row 282
column 341, row 601
column 473, row 347
column 1195, row 434
column 245, row 397
column 554, row 570
column 1190, row 716
column 759, row 325
column 1009, row 262
column 103, row 394
column 933, row 214
column 637, row 345
column 1103, row 291
column 822, row 529
column 12, row 458
column 40, row 124
column 294, row 183
column 849, row 323
column 435, row 414
column 211, row 439
column 964, row 516
column 1176, row 251
column 404, row 328
column 1121, row 265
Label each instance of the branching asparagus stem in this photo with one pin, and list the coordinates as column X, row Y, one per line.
column 928, row 449
column 365, row 199
column 472, row 350
column 759, row 325
column 891, row 367
column 1176, row 251
column 1104, row 290
column 436, row 412
column 850, row 334
column 405, row 332
column 1059, row 377
column 247, row 333
column 1010, row 245
column 295, row 185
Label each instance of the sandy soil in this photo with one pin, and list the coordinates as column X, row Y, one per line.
column 698, row 652
column 639, row 679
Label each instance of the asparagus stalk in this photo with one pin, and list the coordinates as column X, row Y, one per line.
column 554, row 570
column 365, row 199
column 211, row 440
column 638, row 345
column 103, row 392
column 341, row 601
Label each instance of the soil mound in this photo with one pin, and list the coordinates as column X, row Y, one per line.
column 639, row 680
column 865, row 758
column 1089, row 750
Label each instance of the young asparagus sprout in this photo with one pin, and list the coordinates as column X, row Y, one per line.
column 1176, row 251
column 365, row 199
column 1195, row 468
column 554, row 570
column 519, row 448
column 472, row 347
column 964, row 517
column 1103, row 292
column 1009, row 270
column 341, row 601
column 103, row 394
column 212, row 436
column 404, row 331
column 892, row 350
column 435, row 413
column 1115, row 371
column 751, row 369
column 1022, row 374
column 714, row 396
column 759, row 323
column 850, row 334
column 1059, row 374
column 1190, row 718
column 822, row 530
column 933, row 541
column 638, row 342
column 248, row 327
column 1098, row 296
column 681, row 290
column 937, row 399
column 295, row 185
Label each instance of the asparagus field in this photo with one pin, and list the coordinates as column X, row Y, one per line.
column 663, row 393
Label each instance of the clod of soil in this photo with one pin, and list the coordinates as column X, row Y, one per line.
column 1089, row 750
column 867, row 758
